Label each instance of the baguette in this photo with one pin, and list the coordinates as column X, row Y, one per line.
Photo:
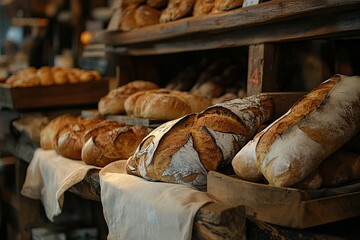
column 316, row 126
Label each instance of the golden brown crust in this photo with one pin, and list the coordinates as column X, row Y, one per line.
column 145, row 15
column 128, row 18
column 48, row 133
column 115, row 144
column 225, row 5
column 202, row 7
column 113, row 102
column 176, row 9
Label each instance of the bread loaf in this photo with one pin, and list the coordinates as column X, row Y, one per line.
column 113, row 102
column 68, row 141
column 185, row 149
column 176, row 9
column 128, row 18
column 48, row 133
column 145, row 15
column 316, row 126
column 106, row 146
column 202, row 7
column 226, row 5
column 164, row 104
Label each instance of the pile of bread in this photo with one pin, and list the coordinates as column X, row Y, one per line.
column 96, row 141
column 145, row 99
column 46, row 76
column 140, row 13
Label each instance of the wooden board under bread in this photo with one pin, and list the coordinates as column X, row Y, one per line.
column 283, row 206
column 20, row 98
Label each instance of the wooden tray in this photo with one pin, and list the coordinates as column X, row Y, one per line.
column 20, row 98
column 287, row 207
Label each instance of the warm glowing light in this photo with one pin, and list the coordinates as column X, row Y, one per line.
column 85, row 37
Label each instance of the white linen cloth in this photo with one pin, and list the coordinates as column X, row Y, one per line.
column 135, row 208
column 49, row 175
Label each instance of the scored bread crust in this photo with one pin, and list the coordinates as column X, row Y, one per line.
column 118, row 143
column 315, row 127
column 145, row 15
column 113, row 102
column 185, row 149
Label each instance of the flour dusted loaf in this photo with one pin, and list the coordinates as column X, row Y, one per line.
column 164, row 104
column 110, row 141
column 185, row 149
column 113, row 102
column 293, row 146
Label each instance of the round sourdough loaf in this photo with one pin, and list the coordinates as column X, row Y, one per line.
column 106, row 145
column 113, row 102
column 185, row 149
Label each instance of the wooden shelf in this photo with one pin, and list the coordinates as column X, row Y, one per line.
column 273, row 21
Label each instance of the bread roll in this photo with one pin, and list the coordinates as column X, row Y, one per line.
column 202, row 7
column 316, row 126
column 113, row 102
column 176, row 9
column 185, row 149
column 145, row 15
column 48, row 133
column 108, row 146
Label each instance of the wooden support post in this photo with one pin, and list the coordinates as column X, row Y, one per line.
column 262, row 69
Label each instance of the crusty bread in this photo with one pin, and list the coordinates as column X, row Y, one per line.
column 183, row 150
column 113, row 102
column 317, row 125
column 114, row 143
column 225, row 5
column 176, row 9
column 48, row 133
column 68, row 141
column 202, row 7
column 145, row 15
column 164, row 104
column 128, row 18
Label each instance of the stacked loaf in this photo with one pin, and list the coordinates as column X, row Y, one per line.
column 113, row 102
column 293, row 147
column 164, row 104
column 96, row 141
column 46, row 76
column 185, row 149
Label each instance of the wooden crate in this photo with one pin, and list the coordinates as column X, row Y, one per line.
column 283, row 206
column 20, row 98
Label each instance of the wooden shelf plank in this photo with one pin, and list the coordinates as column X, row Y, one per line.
column 341, row 24
column 272, row 14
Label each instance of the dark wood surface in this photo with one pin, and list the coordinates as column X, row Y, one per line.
column 273, row 21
